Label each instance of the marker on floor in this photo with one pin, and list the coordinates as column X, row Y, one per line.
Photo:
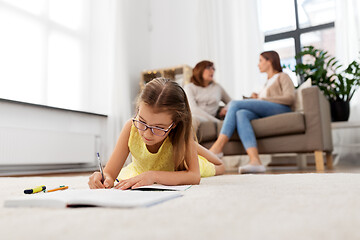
column 35, row 189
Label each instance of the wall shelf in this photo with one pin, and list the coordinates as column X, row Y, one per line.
column 181, row 74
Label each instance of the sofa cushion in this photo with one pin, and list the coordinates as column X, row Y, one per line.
column 281, row 124
column 207, row 131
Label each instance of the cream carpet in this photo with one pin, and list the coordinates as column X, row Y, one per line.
column 287, row 206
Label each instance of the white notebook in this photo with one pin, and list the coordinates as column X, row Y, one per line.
column 160, row 187
column 93, row 198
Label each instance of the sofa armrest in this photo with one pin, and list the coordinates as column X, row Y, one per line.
column 317, row 119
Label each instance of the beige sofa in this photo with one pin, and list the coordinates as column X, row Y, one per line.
column 305, row 130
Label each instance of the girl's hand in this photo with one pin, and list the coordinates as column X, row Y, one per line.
column 95, row 181
column 144, row 179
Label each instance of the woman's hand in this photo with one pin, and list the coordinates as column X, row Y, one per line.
column 95, row 181
column 254, row 95
column 144, row 179
column 223, row 112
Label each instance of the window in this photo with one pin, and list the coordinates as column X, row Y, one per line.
column 290, row 25
column 44, row 51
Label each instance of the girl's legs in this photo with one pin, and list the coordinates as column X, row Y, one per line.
column 211, row 157
column 219, row 169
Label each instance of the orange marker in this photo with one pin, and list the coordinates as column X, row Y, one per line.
column 59, row 188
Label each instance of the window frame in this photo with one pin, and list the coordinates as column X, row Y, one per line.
column 296, row 34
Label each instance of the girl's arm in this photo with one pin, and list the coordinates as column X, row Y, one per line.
column 189, row 176
column 116, row 161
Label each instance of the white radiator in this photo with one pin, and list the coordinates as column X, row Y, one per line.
column 27, row 146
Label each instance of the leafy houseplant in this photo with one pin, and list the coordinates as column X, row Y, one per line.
column 337, row 85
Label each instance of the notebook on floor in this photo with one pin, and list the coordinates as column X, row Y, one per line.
column 160, row 187
column 93, row 198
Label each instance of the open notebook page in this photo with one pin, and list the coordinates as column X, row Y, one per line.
column 92, row 197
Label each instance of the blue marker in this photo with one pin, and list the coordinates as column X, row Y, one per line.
column 101, row 168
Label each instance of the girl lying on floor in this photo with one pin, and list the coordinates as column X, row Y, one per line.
column 161, row 142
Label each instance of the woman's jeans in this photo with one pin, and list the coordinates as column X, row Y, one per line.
column 241, row 112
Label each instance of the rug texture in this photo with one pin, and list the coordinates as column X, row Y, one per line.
column 286, row 206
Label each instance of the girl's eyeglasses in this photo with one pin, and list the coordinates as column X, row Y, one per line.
column 155, row 130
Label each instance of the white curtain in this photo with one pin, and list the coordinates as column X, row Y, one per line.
column 230, row 36
column 119, row 86
column 347, row 26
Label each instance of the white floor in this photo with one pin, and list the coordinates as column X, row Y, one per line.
column 285, row 206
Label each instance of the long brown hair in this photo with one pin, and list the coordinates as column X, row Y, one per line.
column 274, row 58
column 197, row 77
column 165, row 95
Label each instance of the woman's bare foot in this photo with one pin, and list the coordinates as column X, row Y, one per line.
column 219, row 144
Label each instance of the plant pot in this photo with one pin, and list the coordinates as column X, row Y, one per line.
column 340, row 110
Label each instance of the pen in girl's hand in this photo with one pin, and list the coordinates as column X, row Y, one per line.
column 101, row 168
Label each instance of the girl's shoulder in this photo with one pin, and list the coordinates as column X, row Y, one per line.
column 127, row 126
column 128, row 123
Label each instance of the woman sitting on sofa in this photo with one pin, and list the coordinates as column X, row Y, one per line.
column 204, row 94
column 276, row 97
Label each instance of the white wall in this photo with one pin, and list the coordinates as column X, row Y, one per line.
column 162, row 33
column 131, row 50
column 31, row 117
column 100, row 48
column 159, row 33
column 174, row 33
column 186, row 32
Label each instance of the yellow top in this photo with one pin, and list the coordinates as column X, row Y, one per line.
column 143, row 160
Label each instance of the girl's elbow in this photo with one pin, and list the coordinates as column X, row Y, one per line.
column 196, row 179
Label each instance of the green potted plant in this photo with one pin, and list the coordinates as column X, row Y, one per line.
column 325, row 72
